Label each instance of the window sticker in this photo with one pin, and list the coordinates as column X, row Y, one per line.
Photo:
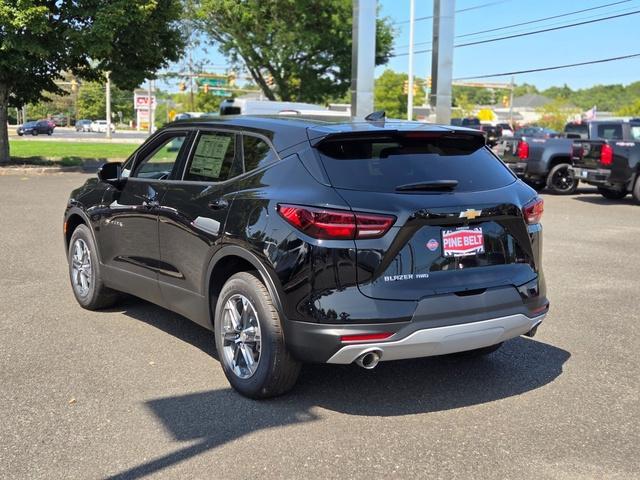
column 209, row 155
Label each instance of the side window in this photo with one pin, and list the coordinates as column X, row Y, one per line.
column 159, row 163
column 214, row 158
column 611, row 131
column 257, row 153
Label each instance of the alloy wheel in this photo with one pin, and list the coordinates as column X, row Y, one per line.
column 562, row 180
column 241, row 338
column 81, row 267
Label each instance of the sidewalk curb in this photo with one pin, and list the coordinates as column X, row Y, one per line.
column 16, row 170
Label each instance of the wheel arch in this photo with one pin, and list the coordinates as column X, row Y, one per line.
column 74, row 217
column 557, row 159
column 229, row 260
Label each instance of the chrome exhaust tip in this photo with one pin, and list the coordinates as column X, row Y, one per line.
column 369, row 360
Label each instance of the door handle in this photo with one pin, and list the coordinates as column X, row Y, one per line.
column 150, row 204
column 219, row 204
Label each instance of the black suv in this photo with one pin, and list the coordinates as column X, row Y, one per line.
column 299, row 240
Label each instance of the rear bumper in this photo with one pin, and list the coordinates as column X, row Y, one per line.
column 479, row 320
column 519, row 168
column 591, row 176
column 443, row 340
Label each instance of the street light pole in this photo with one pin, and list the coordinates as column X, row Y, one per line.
column 442, row 59
column 412, row 16
column 363, row 57
column 108, row 101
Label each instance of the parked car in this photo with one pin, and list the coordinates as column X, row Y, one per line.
column 491, row 134
column 612, row 165
column 84, row 125
column 100, row 126
column 504, row 130
column 242, row 106
column 535, row 132
column 315, row 241
column 36, row 128
column 59, row 120
column 470, row 122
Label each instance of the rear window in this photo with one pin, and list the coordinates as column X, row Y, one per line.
column 382, row 164
column 610, row 131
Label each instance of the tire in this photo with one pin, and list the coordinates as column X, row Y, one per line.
column 612, row 194
column 275, row 371
column 50, row 132
column 560, row 181
column 636, row 190
column 86, row 283
column 34, row 133
column 20, row 134
column 479, row 352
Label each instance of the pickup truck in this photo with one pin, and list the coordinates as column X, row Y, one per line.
column 543, row 162
column 614, row 166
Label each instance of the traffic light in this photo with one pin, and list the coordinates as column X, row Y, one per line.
column 205, row 88
column 429, row 83
column 270, row 81
column 416, row 88
column 505, row 100
column 74, row 85
column 182, row 87
column 405, row 87
column 231, row 79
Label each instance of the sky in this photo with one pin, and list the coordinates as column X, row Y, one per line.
column 609, row 38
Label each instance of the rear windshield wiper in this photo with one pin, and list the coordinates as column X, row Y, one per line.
column 434, row 185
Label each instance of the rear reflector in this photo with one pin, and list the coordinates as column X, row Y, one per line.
column 365, row 337
column 533, row 211
column 327, row 224
column 523, row 150
column 606, row 155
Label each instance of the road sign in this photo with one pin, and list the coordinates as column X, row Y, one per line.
column 141, row 101
column 213, row 81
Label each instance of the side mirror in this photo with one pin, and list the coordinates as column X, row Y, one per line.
column 110, row 173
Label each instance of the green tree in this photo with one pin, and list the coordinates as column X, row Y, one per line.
column 556, row 113
column 303, row 47
column 630, row 110
column 464, row 106
column 92, row 102
column 389, row 94
column 40, row 39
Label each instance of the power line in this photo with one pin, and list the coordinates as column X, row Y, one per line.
column 538, row 20
column 535, row 32
column 544, row 19
column 544, row 69
column 490, row 4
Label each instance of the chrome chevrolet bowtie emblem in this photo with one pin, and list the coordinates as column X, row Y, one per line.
column 470, row 214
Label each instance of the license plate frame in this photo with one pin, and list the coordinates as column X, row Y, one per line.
column 462, row 241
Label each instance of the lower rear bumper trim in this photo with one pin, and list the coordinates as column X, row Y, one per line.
column 443, row 340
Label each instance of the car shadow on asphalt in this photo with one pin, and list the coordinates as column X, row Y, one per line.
column 600, row 200
column 407, row 387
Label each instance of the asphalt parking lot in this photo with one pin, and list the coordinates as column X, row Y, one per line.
column 137, row 391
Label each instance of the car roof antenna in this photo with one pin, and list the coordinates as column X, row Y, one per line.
column 378, row 116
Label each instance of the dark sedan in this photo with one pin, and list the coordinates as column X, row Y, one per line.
column 44, row 127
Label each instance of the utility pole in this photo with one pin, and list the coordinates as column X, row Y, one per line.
column 442, row 59
column 511, row 103
column 363, row 58
column 191, row 108
column 108, row 101
column 150, row 107
column 412, row 16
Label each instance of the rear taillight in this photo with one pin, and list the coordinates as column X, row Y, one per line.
column 533, row 211
column 606, row 155
column 522, row 150
column 326, row 224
